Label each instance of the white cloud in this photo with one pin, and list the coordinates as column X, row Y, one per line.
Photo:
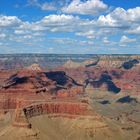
column 133, row 14
column 89, row 7
column 106, row 21
column 48, row 6
column 105, row 40
column 53, row 20
column 89, row 34
column 51, row 23
column 34, row 26
column 134, row 30
column 59, row 23
column 27, row 36
column 10, row 21
column 72, row 42
column 20, row 32
column 120, row 18
column 2, row 35
column 99, row 29
column 124, row 39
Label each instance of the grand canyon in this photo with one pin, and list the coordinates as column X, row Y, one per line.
column 69, row 69
column 79, row 97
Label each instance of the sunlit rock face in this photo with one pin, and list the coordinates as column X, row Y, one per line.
column 67, row 109
column 34, row 67
column 74, row 99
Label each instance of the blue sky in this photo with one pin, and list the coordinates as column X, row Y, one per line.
column 70, row 26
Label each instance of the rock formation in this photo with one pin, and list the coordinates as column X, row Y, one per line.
column 20, row 119
column 60, row 93
column 36, row 81
column 105, row 78
column 34, row 67
column 57, row 109
column 86, row 63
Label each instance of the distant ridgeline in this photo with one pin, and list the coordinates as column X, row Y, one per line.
column 18, row 61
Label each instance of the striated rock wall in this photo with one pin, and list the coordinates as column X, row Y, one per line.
column 6, row 104
column 59, row 108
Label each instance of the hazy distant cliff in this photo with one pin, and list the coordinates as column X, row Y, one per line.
column 18, row 61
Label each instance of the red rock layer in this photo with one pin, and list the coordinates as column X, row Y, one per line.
column 57, row 109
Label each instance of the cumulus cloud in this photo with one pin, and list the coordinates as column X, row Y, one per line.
column 10, row 21
column 134, row 30
column 120, row 18
column 20, row 32
column 60, row 20
column 102, row 29
column 51, row 23
column 88, row 34
column 60, row 23
column 89, row 7
column 124, row 39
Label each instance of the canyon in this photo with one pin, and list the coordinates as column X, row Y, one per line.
column 99, row 97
